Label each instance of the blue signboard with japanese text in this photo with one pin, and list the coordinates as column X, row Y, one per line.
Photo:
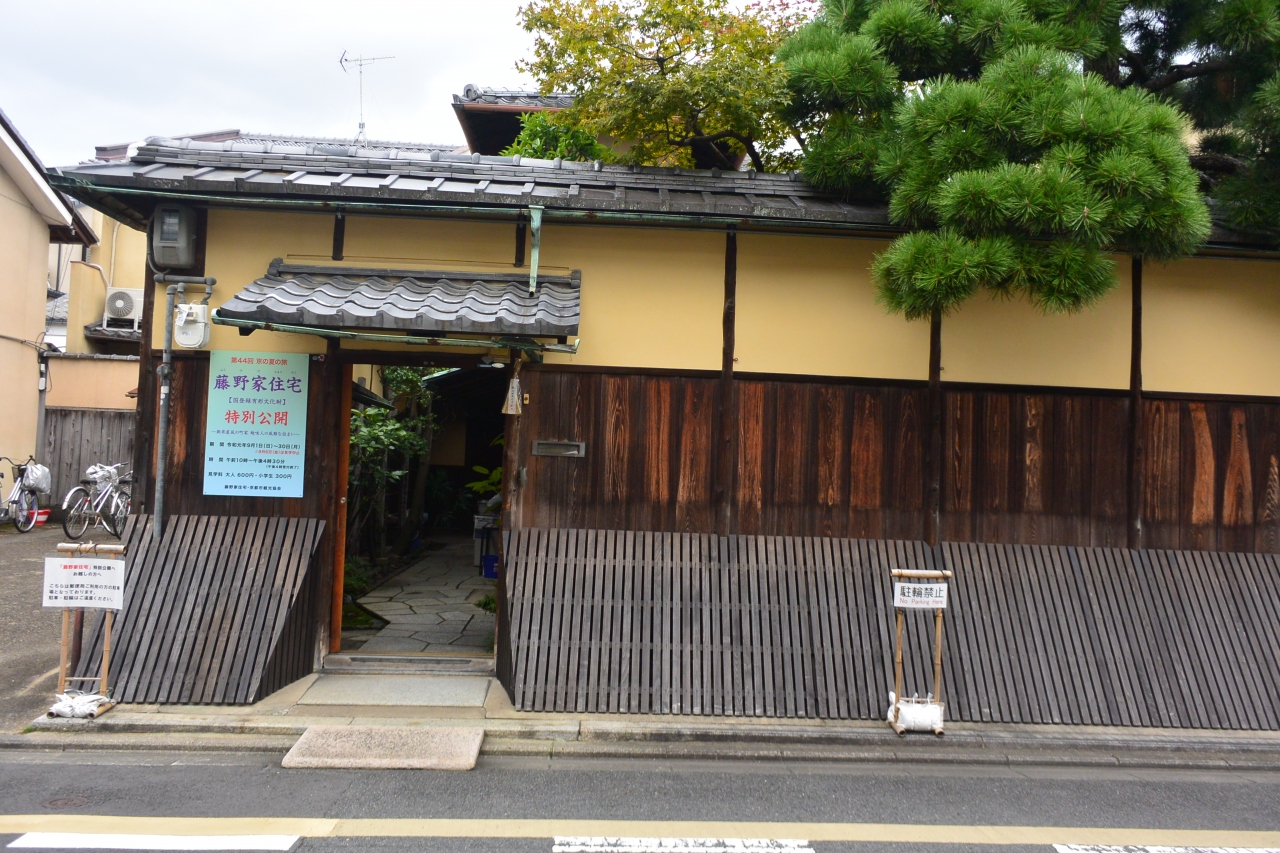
column 256, row 424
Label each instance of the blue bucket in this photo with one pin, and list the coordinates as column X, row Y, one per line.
column 489, row 566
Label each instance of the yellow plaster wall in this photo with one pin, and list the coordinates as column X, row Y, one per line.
column 1211, row 326
column 1010, row 342
column 24, row 276
column 425, row 243
column 91, row 383
column 807, row 305
column 240, row 244
column 650, row 297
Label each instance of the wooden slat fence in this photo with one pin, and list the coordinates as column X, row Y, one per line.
column 74, row 439
column 663, row 623
column 223, row 610
column 847, row 459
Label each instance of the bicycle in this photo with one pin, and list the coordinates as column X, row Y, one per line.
column 23, row 504
column 102, row 498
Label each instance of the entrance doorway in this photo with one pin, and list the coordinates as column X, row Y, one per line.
column 424, row 475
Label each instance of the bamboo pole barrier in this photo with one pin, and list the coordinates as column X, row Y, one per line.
column 937, row 655
column 62, row 665
column 897, row 675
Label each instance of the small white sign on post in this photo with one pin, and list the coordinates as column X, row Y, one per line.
column 920, row 596
column 77, row 582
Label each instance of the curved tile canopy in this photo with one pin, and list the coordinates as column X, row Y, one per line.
column 410, row 301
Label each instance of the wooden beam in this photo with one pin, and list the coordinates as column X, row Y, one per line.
column 1136, row 439
column 340, row 520
column 933, row 435
column 521, row 229
column 403, row 358
column 727, row 444
column 511, row 466
column 339, row 235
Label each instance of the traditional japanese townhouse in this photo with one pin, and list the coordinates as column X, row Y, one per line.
column 724, row 443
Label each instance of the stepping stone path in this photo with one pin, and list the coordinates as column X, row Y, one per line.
column 430, row 606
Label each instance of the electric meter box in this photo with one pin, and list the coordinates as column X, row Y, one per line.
column 173, row 237
column 191, row 325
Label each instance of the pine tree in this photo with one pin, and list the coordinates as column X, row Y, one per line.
column 1015, row 171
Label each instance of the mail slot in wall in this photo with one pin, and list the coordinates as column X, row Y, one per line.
column 559, row 448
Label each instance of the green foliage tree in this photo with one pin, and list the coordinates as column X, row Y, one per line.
column 676, row 82
column 542, row 136
column 1250, row 193
column 385, row 446
column 1016, row 172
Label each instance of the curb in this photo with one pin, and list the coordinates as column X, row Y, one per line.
column 159, row 742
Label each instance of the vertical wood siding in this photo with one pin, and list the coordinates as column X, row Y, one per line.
column 184, row 489
column 847, row 460
column 607, row 621
column 74, row 439
column 219, row 611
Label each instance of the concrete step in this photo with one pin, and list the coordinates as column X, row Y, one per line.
column 391, row 662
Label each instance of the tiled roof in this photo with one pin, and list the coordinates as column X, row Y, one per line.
column 481, row 95
column 331, row 175
column 285, row 142
column 98, row 332
column 55, row 310
column 409, row 300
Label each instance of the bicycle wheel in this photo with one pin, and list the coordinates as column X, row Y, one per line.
column 24, row 511
column 119, row 513
column 76, row 520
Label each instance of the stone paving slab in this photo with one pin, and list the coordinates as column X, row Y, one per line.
column 457, row 691
column 386, row 747
column 430, row 606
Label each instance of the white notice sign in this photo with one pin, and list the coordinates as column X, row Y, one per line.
column 921, row 596
column 83, row 582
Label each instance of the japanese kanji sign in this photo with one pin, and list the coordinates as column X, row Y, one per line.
column 922, row 596
column 256, row 424
column 83, row 582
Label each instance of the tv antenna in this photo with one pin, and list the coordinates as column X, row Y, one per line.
column 360, row 62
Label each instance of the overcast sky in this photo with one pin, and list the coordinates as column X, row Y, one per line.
column 76, row 74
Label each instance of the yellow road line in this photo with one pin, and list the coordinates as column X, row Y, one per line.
column 514, row 828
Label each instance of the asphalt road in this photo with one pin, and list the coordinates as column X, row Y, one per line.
column 29, row 634
column 74, row 785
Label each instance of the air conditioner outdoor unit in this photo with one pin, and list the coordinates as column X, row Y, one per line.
column 123, row 309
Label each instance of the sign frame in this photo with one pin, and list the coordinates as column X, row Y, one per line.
column 255, row 442
column 101, row 581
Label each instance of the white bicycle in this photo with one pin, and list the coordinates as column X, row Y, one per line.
column 23, row 503
column 101, row 498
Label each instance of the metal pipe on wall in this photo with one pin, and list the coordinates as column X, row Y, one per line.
column 166, row 372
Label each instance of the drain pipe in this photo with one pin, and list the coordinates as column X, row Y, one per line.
column 165, row 370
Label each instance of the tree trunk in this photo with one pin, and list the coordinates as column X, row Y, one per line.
column 412, row 514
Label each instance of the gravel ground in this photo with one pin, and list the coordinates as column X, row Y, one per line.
column 29, row 634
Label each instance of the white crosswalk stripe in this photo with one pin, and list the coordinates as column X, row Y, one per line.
column 600, row 844
column 1104, row 848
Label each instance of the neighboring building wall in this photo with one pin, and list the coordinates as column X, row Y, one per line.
column 87, row 296
column 24, row 273
column 1212, row 326
column 91, row 383
column 807, row 305
column 650, row 297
